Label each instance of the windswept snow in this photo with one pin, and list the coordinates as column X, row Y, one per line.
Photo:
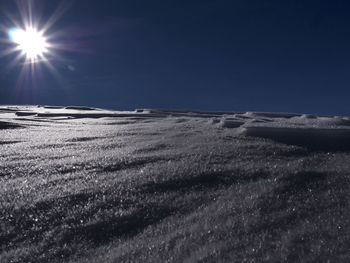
column 330, row 133
column 80, row 184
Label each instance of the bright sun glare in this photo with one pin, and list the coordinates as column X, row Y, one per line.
column 30, row 42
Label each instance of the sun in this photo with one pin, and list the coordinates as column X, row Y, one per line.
column 34, row 46
column 30, row 42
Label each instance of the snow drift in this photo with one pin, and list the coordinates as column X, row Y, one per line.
column 80, row 184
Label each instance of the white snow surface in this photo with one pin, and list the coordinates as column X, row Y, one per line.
column 81, row 184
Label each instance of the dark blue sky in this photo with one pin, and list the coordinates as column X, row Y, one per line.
column 239, row 55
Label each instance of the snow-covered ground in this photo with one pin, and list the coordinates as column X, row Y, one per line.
column 80, row 184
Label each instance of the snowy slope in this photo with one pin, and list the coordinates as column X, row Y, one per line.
column 80, row 184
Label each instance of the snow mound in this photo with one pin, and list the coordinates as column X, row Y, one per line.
column 329, row 139
column 329, row 133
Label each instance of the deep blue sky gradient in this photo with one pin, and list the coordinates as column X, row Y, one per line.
column 238, row 55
